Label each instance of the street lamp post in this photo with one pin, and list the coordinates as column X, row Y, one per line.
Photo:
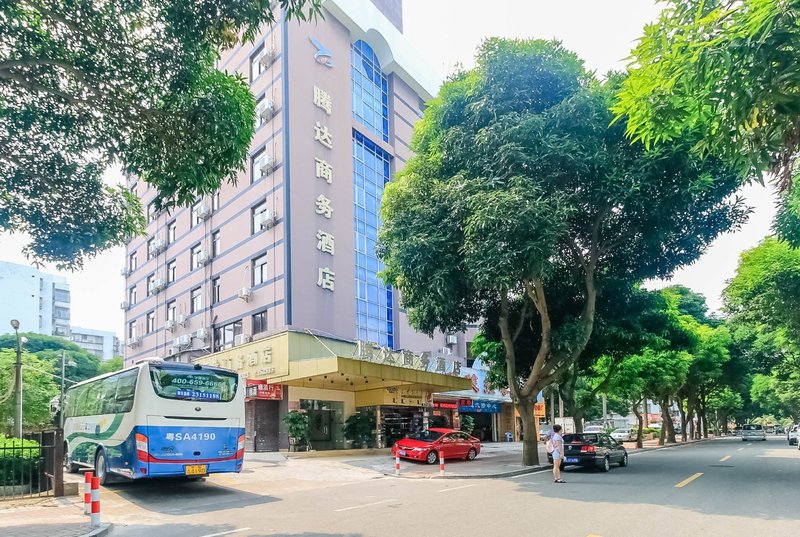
column 64, row 365
column 18, row 378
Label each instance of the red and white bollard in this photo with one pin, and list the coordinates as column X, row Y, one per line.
column 396, row 465
column 95, row 502
column 441, row 463
column 87, row 493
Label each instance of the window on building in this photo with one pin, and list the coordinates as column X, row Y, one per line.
column 133, row 189
column 132, row 295
column 132, row 329
column 370, row 90
column 256, row 67
column 151, row 322
column 260, row 270
column 224, row 336
column 215, row 201
column 259, row 103
column 133, row 261
column 261, row 165
column 150, row 279
column 150, row 242
column 197, row 210
column 260, row 322
column 172, row 231
column 197, row 300
column 215, row 290
column 374, row 300
column 172, row 271
column 195, row 252
column 172, row 310
column 257, row 216
column 216, row 243
column 60, row 295
column 152, row 212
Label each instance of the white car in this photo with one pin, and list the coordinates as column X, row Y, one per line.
column 791, row 435
column 751, row 431
column 624, row 434
column 593, row 429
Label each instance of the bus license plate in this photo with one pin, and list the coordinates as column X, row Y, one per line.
column 196, row 469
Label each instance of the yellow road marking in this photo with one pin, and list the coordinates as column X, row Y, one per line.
column 688, row 480
column 725, row 458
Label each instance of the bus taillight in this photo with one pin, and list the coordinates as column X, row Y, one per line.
column 240, row 447
column 141, row 448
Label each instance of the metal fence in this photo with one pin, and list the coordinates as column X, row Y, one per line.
column 32, row 466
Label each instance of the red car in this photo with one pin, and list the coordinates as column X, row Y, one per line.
column 429, row 444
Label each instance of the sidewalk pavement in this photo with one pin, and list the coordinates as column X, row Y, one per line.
column 47, row 517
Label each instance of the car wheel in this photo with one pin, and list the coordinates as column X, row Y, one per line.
column 606, row 465
column 70, row 466
column 101, row 467
column 432, row 457
column 472, row 454
column 623, row 462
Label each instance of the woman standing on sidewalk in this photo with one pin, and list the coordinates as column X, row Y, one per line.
column 557, row 442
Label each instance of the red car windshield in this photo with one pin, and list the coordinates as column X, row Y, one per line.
column 426, row 436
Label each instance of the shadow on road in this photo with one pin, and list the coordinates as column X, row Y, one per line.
column 179, row 497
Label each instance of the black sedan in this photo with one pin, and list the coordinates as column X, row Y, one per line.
column 593, row 450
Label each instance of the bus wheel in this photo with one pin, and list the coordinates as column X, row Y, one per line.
column 101, row 467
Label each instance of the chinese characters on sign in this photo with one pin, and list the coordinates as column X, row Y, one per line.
column 326, row 278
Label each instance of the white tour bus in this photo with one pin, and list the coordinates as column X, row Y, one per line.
column 156, row 419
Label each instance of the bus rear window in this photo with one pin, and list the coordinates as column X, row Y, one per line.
column 193, row 384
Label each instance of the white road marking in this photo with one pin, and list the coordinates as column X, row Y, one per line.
column 361, row 506
column 725, row 458
column 225, row 532
column 456, row 488
column 740, row 449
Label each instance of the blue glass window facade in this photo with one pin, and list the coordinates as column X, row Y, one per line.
column 374, row 304
column 370, row 90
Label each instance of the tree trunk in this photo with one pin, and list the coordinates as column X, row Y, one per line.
column 671, row 424
column 641, row 424
column 530, row 440
column 683, row 419
column 577, row 417
column 703, row 412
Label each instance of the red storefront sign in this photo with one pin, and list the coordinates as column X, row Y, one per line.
column 445, row 405
column 259, row 389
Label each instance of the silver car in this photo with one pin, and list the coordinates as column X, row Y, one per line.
column 623, row 434
column 791, row 435
column 751, row 431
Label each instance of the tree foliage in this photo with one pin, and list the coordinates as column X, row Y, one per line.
column 49, row 349
column 39, row 387
column 87, row 84
column 521, row 197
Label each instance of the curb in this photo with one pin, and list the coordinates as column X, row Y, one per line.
column 99, row 532
column 533, row 469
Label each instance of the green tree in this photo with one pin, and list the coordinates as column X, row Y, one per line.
column 111, row 365
column 727, row 70
column 520, row 195
column 86, row 85
column 39, row 387
column 49, row 349
column 725, row 403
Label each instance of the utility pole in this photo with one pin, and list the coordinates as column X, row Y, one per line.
column 61, row 397
column 18, row 378
column 605, row 412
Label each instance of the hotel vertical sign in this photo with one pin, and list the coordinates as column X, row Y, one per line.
column 323, row 207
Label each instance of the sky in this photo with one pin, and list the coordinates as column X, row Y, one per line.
column 602, row 32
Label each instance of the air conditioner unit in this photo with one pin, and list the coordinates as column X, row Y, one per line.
column 245, row 293
column 181, row 319
column 452, row 340
column 201, row 333
column 267, row 164
column 446, row 351
column 123, row 305
column 134, row 341
column 169, row 325
column 268, row 57
column 241, row 339
column 266, row 219
column 125, row 272
column 157, row 246
column 203, row 212
column 203, row 258
column 172, row 351
column 156, row 285
column 266, row 109
column 182, row 341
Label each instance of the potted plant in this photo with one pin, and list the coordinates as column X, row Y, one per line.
column 297, row 427
column 467, row 424
column 358, row 429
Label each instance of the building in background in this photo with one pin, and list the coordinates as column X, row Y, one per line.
column 104, row 345
column 276, row 276
column 39, row 301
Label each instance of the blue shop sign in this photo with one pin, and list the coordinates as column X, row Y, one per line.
column 491, row 407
